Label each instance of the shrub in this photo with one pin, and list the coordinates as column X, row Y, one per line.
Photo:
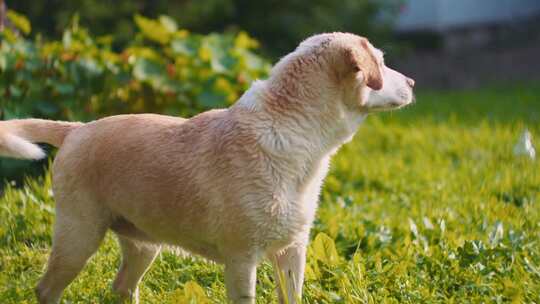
column 165, row 70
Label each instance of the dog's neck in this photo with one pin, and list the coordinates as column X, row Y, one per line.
column 303, row 132
column 306, row 119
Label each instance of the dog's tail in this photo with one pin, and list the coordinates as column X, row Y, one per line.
column 18, row 137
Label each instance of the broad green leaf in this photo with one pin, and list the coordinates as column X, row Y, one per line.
column 168, row 23
column 20, row 21
column 184, row 46
column 205, row 52
column 243, row 40
column 145, row 69
column 67, row 39
column 64, row 88
column 194, row 294
column 46, row 107
column 91, row 66
column 324, row 249
column 153, row 30
column 210, row 99
column 8, row 35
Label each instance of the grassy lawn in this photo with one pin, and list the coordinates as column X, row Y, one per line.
column 426, row 205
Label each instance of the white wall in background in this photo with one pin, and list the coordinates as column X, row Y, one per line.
column 442, row 15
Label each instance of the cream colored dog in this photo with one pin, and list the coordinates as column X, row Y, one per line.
column 233, row 185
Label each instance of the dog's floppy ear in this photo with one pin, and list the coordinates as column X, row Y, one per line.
column 362, row 60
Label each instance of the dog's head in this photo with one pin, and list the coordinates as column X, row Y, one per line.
column 359, row 72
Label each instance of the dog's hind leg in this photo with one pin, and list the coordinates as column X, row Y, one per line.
column 76, row 238
column 136, row 259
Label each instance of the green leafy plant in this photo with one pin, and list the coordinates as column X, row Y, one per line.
column 165, row 70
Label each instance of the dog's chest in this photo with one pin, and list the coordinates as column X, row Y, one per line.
column 293, row 209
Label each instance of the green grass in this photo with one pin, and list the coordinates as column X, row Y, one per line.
column 426, row 205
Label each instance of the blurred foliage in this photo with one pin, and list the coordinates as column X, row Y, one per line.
column 164, row 70
column 279, row 25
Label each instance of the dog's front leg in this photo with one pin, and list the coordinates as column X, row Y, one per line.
column 240, row 279
column 289, row 266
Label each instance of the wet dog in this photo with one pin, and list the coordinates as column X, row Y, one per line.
column 233, row 185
